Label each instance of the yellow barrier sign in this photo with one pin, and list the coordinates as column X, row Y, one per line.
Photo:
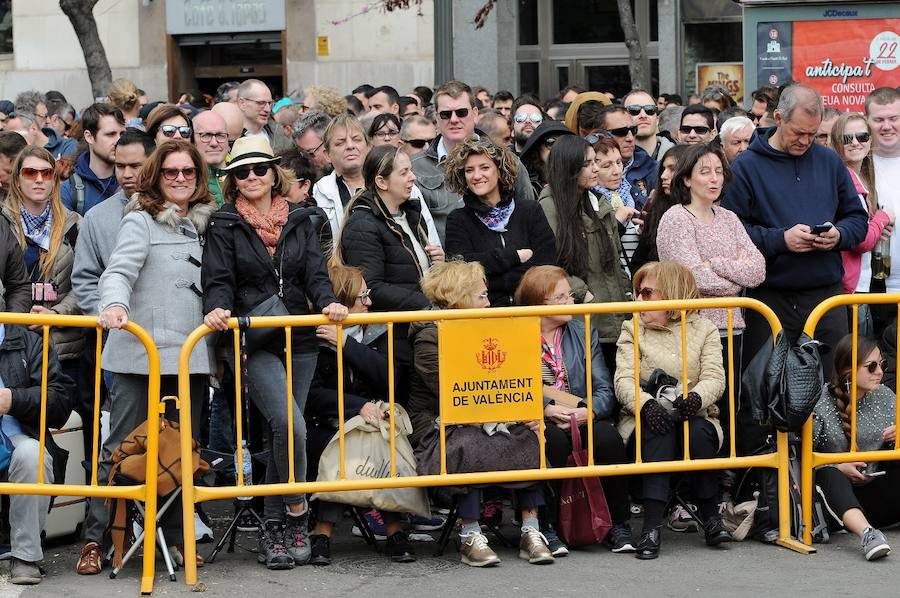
column 490, row 370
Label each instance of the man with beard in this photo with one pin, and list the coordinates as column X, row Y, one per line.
column 526, row 117
column 93, row 178
column 640, row 104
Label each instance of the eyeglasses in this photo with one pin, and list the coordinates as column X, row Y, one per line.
column 189, row 173
column 549, row 141
column 244, row 171
column 183, row 131
column 386, row 133
column 861, row 137
column 624, row 131
column 595, row 137
column 635, row 109
column 42, row 116
column 561, row 298
column 646, row 293
column 312, row 151
column 483, row 296
column 459, row 112
column 533, row 117
column 687, row 129
column 66, row 124
column 364, row 296
column 418, row 143
column 871, row 366
column 260, row 103
column 32, row 173
column 207, row 137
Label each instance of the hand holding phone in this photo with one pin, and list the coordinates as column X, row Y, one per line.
column 821, row 228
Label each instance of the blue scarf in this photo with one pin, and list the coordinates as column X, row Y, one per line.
column 498, row 217
column 618, row 197
column 37, row 228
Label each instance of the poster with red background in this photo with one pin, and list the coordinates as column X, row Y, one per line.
column 845, row 60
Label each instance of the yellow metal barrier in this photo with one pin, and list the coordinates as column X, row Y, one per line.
column 145, row 492
column 810, row 459
column 192, row 494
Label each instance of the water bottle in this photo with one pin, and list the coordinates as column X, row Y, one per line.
column 244, row 454
column 881, row 259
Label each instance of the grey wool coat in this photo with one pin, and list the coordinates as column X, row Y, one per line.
column 154, row 273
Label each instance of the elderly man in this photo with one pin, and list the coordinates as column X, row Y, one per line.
column 417, row 133
column 211, row 139
column 494, row 125
column 309, row 133
column 735, row 136
column 640, row 104
column 234, row 119
column 255, row 103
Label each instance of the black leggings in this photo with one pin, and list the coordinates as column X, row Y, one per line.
column 608, row 448
column 879, row 499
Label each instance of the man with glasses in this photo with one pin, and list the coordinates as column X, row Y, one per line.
column 255, row 102
column 763, row 105
column 697, row 125
column 309, row 135
column 457, row 114
column 416, row 133
column 640, row 168
column 62, row 116
column 527, row 116
column 93, row 178
column 47, row 137
column 823, row 135
column 640, row 104
column 211, row 139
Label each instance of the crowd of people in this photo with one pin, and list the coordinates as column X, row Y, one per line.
column 176, row 214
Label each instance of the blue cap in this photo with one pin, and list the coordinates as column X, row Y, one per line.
column 283, row 102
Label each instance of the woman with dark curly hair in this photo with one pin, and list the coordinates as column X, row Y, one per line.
column 506, row 234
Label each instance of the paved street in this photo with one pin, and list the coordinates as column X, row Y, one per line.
column 685, row 568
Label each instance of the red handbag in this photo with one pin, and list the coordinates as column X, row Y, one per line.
column 583, row 513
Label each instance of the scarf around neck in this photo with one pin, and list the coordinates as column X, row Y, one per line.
column 498, row 218
column 267, row 226
column 618, row 197
column 37, row 228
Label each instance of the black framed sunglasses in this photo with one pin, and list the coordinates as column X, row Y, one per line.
column 549, row 141
column 862, row 137
column 624, row 131
column 459, row 112
column 183, row 131
column 635, row 109
column 418, row 143
column 699, row 129
column 872, row 366
column 259, row 170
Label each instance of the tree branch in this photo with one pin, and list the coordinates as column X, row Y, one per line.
column 81, row 15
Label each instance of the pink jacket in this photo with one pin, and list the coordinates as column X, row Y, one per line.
column 853, row 259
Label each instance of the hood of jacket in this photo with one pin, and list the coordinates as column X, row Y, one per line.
column 83, row 168
column 199, row 214
column 58, row 146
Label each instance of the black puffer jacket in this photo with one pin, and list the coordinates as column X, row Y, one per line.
column 21, row 360
column 497, row 252
column 16, row 285
column 238, row 274
column 374, row 242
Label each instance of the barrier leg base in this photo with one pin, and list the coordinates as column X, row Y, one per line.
column 146, row 586
column 796, row 546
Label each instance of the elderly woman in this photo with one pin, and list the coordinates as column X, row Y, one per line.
column 262, row 257
column 563, row 369
column 505, row 233
column 168, row 121
column 661, row 416
column 859, row 495
column 385, row 130
column 613, row 187
column 153, row 278
column 461, row 285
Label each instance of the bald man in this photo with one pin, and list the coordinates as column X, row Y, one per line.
column 234, row 118
column 255, row 103
column 211, row 139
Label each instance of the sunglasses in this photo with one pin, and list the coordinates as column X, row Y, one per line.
column 364, row 295
column 244, row 171
column 635, row 109
column 754, row 117
column 32, row 173
column 861, row 137
column 595, row 137
column 534, row 118
column 189, row 173
column 687, row 129
column 169, row 131
column 418, row 143
column 624, row 131
column 872, row 366
column 549, row 141
column 459, row 112
column 646, row 293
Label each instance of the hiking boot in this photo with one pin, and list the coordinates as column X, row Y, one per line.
column 874, row 545
column 399, row 549
column 271, row 549
column 716, row 532
column 23, row 573
column 533, row 547
column 296, row 537
column 680, row 520
column 320, row 550
column 557, row 547
column 475, row 552
column 375, row 523
column 619, row 539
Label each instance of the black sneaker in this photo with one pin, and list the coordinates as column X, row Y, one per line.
column 557, row 547
column 619, row 538
column 321, row 550
column 715, row 532
column 271, row 549
column 399, row 549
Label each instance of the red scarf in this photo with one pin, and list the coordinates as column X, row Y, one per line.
column 267, row 226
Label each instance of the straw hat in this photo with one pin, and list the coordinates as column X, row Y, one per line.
column 254, row 149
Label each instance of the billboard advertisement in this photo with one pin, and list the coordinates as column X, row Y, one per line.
column 727, row 75
column 843, row 60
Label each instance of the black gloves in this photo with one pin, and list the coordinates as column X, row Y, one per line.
column 656, row 417
column 658, row 379
column 687, row 406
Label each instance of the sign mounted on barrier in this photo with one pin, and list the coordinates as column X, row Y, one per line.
column 490, row 370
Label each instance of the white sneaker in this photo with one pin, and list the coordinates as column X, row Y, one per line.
column 202, row 532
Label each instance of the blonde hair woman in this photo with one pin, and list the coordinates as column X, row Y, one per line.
column 123, row 94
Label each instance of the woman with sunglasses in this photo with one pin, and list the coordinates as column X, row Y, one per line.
column 168, row 121
column 262, row 257
column 153, row 279
column 858, row 496
column 365, row 350
column 851, row 138
column 662, row 435
column 385, row 130
column 587, row 233
column 504, row 233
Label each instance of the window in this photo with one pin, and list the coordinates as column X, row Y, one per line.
column 6, row 24
column 529, row 78
column 528, row 22
column 586, row 22
column 562, row 77
column 613, row 78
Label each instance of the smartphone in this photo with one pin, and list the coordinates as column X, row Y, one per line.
column 820, row 228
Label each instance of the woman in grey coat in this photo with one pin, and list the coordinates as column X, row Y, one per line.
column 153, row 278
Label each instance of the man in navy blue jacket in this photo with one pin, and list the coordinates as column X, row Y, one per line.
column 93, row 178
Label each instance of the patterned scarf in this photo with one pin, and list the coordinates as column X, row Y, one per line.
column 498, row 217
column 618, row 197
column 37, row 228
column 552, row 358
column 267, row 226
